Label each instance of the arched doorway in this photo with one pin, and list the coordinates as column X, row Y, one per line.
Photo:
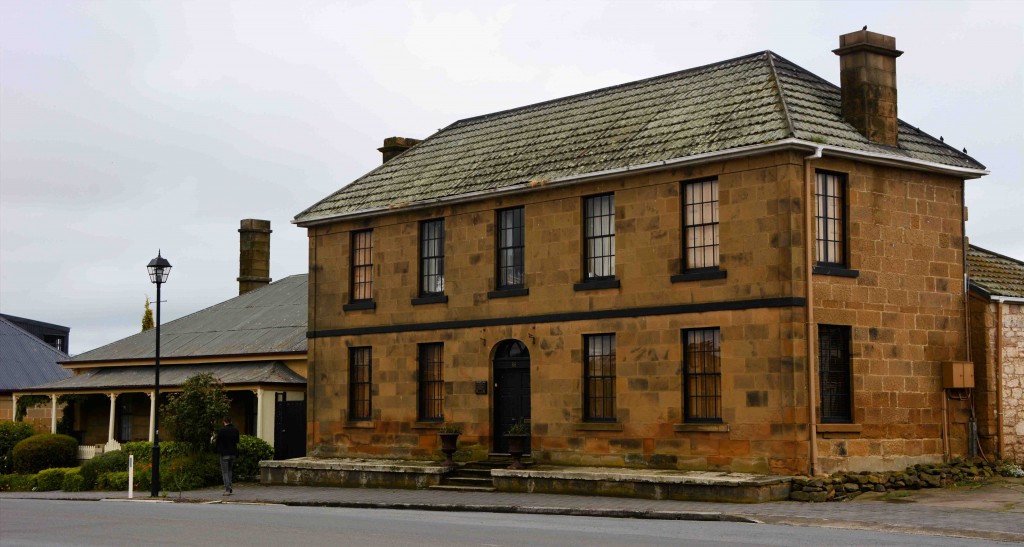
column 511, row 390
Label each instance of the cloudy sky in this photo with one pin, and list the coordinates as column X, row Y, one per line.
column 132, row 126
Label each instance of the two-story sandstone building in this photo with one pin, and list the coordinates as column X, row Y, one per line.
column 738, row 266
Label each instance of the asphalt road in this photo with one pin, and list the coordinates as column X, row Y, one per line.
column 49, row 522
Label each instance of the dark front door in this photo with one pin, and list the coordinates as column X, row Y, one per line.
column 289, row 427
column 511, row 390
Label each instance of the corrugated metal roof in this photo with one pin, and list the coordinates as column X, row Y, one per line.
column 995, row 274
column 26, row 360
column 756, row 99
column 257, row 372
column 271, row 319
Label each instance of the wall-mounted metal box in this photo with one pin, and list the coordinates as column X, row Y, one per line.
column 958, row 375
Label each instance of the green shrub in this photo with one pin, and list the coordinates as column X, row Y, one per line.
column 115, row 460
column 44, row 451
column 251, row 450
column 73, row 482
column 143, row 450
column 190, row 472
column 20, row 483
column 11, row 433
column 49, row 480
column 5, row 483
column 112, row 481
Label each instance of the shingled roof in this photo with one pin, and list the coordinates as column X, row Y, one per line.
column 753, row 100
column 271, row 319
column 993, row 274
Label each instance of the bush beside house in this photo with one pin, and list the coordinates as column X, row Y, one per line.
column 44, row 451
column 11, row 433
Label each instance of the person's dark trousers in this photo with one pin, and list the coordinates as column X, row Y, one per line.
column 226, row 464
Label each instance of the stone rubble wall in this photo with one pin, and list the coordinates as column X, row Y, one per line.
column 846, row 486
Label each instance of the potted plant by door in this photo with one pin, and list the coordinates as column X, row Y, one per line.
column 449, row 434
column 517, row 435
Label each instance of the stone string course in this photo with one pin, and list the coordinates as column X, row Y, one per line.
column 846, row 486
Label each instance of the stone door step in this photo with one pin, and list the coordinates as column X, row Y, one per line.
column 457, row 488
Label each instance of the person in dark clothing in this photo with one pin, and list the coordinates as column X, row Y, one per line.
column 227, row 447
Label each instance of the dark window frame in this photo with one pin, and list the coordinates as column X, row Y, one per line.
column 430, row 382
column 361, row 260
column 360, row 384
column 830, row 249
column 702, row 369
column 699, row 222
column 835, row 374
column 510, row 257
column 431, row 257
column 599, row 378
column 593, row 262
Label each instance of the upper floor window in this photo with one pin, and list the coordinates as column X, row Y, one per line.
column 830, row 219
column 430, row 395
column 834, row 374
column 432, row 257
column 362, row 265
column 702, row 375
column 360, row 383
column 599, row 377
column 599, row 237
column 700, row 224
column 510, row 248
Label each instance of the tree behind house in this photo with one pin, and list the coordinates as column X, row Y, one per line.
column 193, row 414
column 147, row 317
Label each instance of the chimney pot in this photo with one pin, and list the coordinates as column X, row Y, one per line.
column 253, row 255
column 394, row 146
column 867, row 74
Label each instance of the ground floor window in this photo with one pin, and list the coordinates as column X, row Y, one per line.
column 599, row 377
column 431, row 382
column 359, row 384
column 834, row 373
column 702, row 375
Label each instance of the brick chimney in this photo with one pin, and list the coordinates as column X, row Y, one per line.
column 867, row 73
column 394, row 146
column 253, row 255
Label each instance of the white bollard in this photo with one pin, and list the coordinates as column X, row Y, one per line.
column 131, row 476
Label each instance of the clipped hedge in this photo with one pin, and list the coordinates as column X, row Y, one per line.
column 17, row 483
column 73, row 482
column 45, row 451
column 49, row 480
column 251, row 450
column 143, row 450
column 11, row 433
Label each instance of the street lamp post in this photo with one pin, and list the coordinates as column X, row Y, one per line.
column 159, row 268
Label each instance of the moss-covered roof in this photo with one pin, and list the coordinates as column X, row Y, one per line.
column 993, row 274
column 757, row 99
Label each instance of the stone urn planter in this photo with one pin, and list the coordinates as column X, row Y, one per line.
column 517, row 436
column 449, row 435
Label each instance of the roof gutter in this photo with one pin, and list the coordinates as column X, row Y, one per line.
column 784, row 144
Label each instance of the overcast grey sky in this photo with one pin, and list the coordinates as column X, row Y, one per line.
column 131, row 126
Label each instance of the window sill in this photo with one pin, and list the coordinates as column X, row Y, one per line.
column 434, row 299
column 698, row 276
column 427, row 425
column 362, row 305
column 360, row 424
column 508, row 293
column 596, row 285
column 701, row 428
column 598, row 426
column 837, row 271
column 840, row 428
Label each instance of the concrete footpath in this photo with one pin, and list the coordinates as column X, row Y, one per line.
column 993, row 510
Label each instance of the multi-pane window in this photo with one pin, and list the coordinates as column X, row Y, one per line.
column 830, row 218
column 599, row 377
column 702, row 375
column 432, row 257
column 362, row 265
column 510, row 248
column 431, row 382
column 834, row 373
column 360, row 383
column 599, row 236
column 700, row 224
